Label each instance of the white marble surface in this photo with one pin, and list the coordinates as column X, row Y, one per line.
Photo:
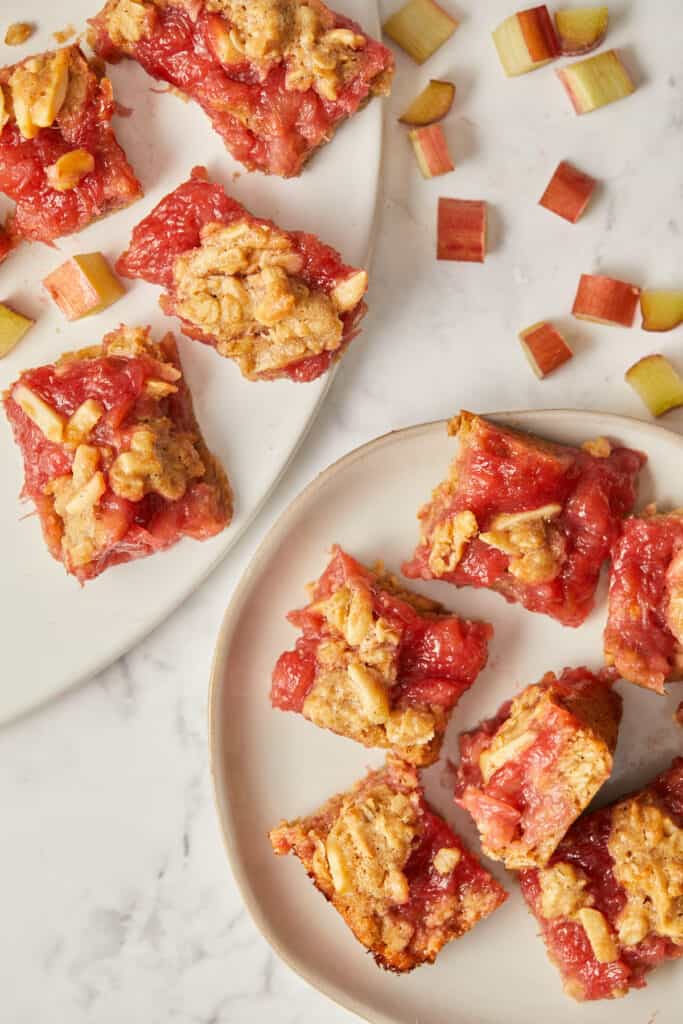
column 117, row 902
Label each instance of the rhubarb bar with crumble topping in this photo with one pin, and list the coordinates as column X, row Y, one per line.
column 528, row 518
column 644, row 632
column 526, row 774
column 610, row 903
column 279, row 303
column 275, row 77
column 376, row 663
column 114, row 460
column 396, row 872
column 59, row 159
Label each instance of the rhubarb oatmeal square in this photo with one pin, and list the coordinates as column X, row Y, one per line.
column 526, row 774
column 376, row 663
column 528, row 518
column 610, row 902
column 114, row 460
column 59, row 159
column 281, row 304
column 644, row 633
column 275, row 77
column 397, row 873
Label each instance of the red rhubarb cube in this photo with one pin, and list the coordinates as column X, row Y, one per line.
column 461, row 230
column 568, row 192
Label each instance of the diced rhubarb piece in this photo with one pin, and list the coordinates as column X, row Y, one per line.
column 526, row 41
column 659, row 385
column 401, row 878
column 581, row 29
column 596, row 81
column 376, row 663
column 545, row 348
column 461, row 230
column 431, row 150
column 433, row 103
column 610, row 902
column 526, row 774
column 83, row 285
column 420, row 27
column 604, row 300
column 678, row 714
column 13, row 327
column 661, row 310
column 568, row 192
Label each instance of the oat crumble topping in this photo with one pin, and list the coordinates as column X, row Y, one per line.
column 597, row 929
column 351, row 693
column 38, row 88
column 46, row 88
column 370, row 842
column 563, row 895
column 50, row 423
column 447, row 859
column 534, row 546
column 317, row 55
column 563, row 891
column 517, row 732
column 449, row 541
column 598, row 447
column 66, row 172
column 299, row 32
column 362, row 858
column 241, row 287
column 18, row 33
column 160, row 460
column 647, row 848
column 82, row 421
column 75, row 499
column 129, row 21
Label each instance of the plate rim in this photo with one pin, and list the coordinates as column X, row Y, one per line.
column 98, row 664
column 219, row 785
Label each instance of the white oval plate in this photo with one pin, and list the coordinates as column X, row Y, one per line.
column 54, row 634
column 268, row 764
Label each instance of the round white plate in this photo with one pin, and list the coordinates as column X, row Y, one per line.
column 268, row 764
column 53, row 633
